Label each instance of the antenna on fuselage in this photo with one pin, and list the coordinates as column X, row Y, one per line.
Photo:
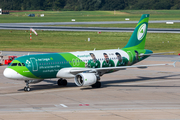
column 94, row 49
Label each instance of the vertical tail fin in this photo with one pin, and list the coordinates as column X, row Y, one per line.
column 138, row 37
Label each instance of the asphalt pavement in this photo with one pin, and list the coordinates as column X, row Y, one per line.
column 132, row 94
column 43, row 26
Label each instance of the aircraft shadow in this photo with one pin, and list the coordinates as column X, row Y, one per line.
column 110, row 83
column 104, row 84
column 52, row 85
column 140, row 78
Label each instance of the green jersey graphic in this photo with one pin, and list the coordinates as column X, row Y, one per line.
column 123, row 62
column 92, row 64
column 135, row 60
column 109, row 64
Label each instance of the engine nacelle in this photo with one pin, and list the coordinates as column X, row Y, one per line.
column 85, row 79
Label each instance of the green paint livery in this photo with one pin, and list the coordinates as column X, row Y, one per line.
column 133, row 42
column 73, row 60
column 23, row 70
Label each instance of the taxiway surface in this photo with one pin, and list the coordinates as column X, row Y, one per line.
column 85, row 23
column 48, row 26
column 92, row 29
column 151, row 93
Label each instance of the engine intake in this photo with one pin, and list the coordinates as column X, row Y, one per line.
column 85, row 79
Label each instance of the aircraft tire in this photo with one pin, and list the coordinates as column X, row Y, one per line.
column 62, row 82
column 27, row 89
column 96, row 85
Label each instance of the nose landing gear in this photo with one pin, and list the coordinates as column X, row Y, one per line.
column 27, row 88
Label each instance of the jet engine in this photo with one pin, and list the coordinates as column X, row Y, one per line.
column 85, row 79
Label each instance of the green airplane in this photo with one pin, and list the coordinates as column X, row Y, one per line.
column 85, row 67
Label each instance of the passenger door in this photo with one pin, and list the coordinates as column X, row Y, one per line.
column 34, row 64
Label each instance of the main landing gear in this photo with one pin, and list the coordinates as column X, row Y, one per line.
column 96, row 85
column 62, row 82
column 27, row 88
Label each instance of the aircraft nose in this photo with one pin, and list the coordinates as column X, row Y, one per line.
column 11, row 74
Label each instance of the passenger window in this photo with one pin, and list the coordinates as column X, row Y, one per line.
column 14, row 64
column 19, row 64
column 23, row 64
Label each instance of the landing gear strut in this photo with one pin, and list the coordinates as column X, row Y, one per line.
column 27, row 88
column 62, row 82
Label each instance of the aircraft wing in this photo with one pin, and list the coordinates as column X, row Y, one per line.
column 94, row 70
column 141, row 55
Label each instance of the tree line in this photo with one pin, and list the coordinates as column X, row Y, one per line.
column 89, row 5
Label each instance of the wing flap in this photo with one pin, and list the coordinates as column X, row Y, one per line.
column 91, row 70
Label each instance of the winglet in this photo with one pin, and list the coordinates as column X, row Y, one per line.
column 174, row 64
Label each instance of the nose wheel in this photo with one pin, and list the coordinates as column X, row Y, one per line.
column 27, row 88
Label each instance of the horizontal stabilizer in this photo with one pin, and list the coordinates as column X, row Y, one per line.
column 141, row 55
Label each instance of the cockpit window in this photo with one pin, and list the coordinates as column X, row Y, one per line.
column 14, row 64
column 17, row 64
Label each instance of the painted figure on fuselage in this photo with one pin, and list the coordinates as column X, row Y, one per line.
column 93, row 63
column 107, row 62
